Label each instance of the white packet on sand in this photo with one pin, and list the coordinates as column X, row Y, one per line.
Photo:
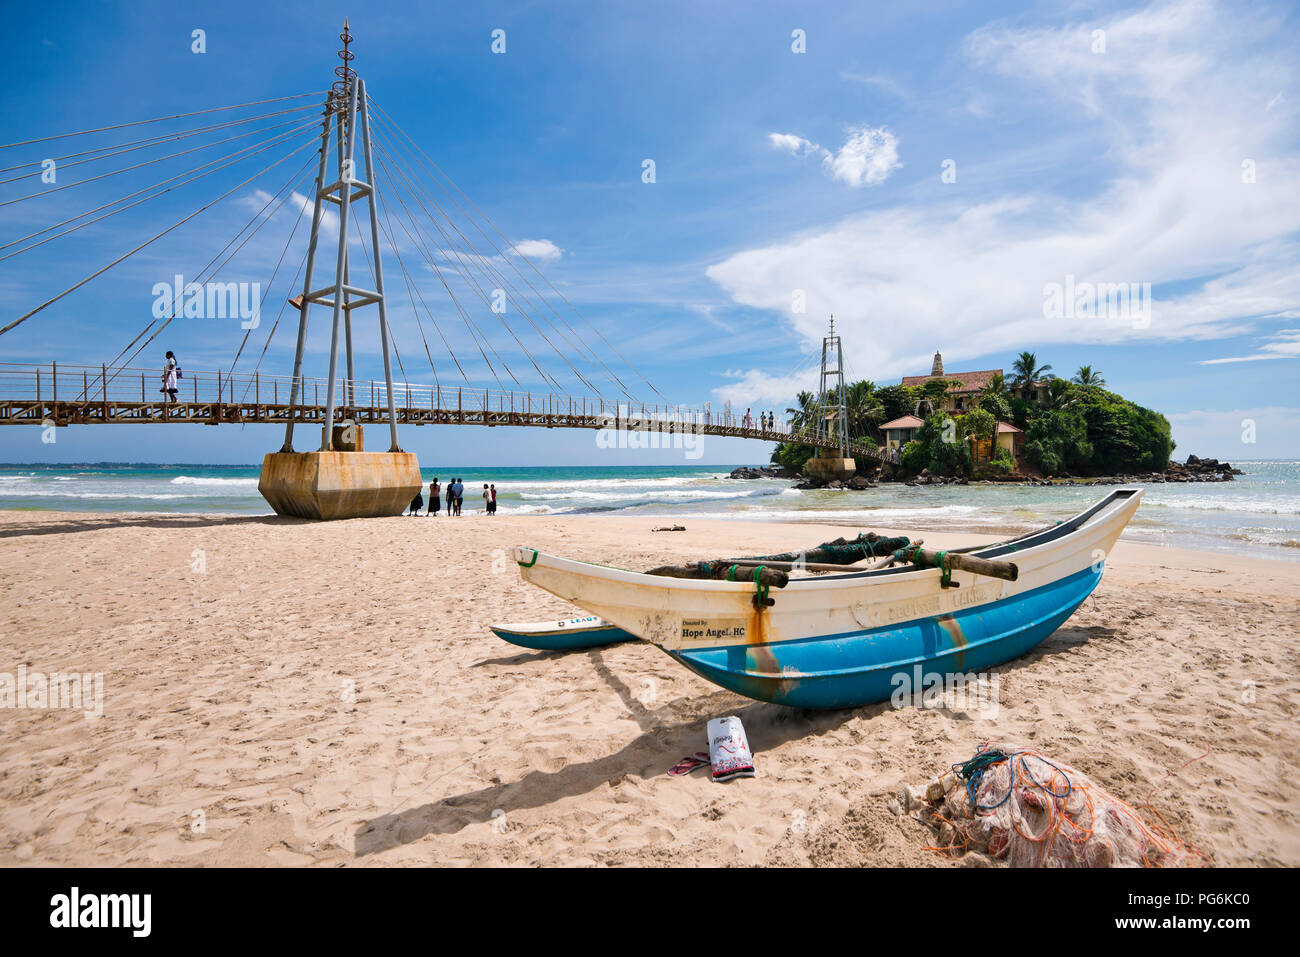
column 729, row 749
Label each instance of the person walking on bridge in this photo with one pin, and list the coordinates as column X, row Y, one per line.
column 171, row 372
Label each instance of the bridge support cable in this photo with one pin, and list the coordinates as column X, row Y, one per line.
column 297, row 220
column 573, row 338
column 466, row 273
column 496, row 276
column 131, row 252
column 418, row 242
column 401, row 366
column 41, row 193
column 117, row 149
column 260, row 220
column 158, row 119
column 274, row 326
column 391, row 170
column 429, row 162
column 411, row 292
column 493, row 274
column 232, row 160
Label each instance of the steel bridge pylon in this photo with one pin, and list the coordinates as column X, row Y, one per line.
column 342, row 480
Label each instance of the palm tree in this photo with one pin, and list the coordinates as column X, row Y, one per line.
column 865, row 411
column 802, row 417
column 1060, row 394
column 1086, row 376
column 997, row 385
column 1027, row 369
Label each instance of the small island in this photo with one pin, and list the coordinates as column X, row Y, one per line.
column 960, row 427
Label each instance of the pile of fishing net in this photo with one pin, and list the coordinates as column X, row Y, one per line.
column 1017, row 805
column 842, row 551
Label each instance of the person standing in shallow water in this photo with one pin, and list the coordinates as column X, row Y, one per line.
column 451, row 498
column 435, row 496
column 492, row 502
column 487, row 500
column 417, row 503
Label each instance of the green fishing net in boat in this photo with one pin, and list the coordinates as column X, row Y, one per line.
column 842, row 551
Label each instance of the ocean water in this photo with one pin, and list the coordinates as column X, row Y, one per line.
column 1258, row 514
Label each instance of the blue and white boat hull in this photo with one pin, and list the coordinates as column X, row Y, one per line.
column 842, row 640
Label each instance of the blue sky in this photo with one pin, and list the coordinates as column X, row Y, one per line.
column 1079, row 156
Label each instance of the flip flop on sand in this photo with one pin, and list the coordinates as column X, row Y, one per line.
column 686, row 765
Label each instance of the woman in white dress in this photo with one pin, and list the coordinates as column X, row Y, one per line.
column 169, row 377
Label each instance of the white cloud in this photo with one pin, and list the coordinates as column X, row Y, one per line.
column 794, row 145
column 542, row 249
column 1282, row 345
column 965, row 272
column 755, row 389
column 866, row 158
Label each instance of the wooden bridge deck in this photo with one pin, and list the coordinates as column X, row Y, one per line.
column 64, row 396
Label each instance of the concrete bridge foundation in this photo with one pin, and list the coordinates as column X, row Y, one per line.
column 330, row 485
column 831, row 470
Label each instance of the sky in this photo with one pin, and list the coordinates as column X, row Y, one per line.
column 951, row 176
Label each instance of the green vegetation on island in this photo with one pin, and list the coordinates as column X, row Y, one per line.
column 1035, row 421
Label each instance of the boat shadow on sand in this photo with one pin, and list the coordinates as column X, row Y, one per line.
column 668, row 731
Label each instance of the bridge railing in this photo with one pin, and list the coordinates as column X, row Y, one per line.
column 90, row 384
column 82, row 384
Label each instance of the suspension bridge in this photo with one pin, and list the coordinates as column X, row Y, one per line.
column 63, row 395
column 504, row 345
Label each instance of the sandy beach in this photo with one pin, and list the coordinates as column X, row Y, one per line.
column 278, row 692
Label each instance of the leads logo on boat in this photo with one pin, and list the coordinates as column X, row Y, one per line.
column 974, row 694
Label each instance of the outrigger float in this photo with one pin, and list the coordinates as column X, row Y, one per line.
column 571, row 634
column 838, row 640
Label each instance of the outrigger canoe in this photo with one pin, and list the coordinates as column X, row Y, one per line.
column 840, row 640
column 590, row 631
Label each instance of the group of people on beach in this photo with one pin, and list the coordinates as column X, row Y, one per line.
column 455, row 498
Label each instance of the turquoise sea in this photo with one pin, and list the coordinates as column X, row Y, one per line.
column 1258, row 514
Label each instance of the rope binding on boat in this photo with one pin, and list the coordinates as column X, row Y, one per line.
column 761, row 589
column 919, row 559
column 761, row 600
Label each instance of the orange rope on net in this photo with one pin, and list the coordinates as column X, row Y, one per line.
column 1018, row 805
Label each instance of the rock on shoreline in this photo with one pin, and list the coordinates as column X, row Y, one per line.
column 1195, row 469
